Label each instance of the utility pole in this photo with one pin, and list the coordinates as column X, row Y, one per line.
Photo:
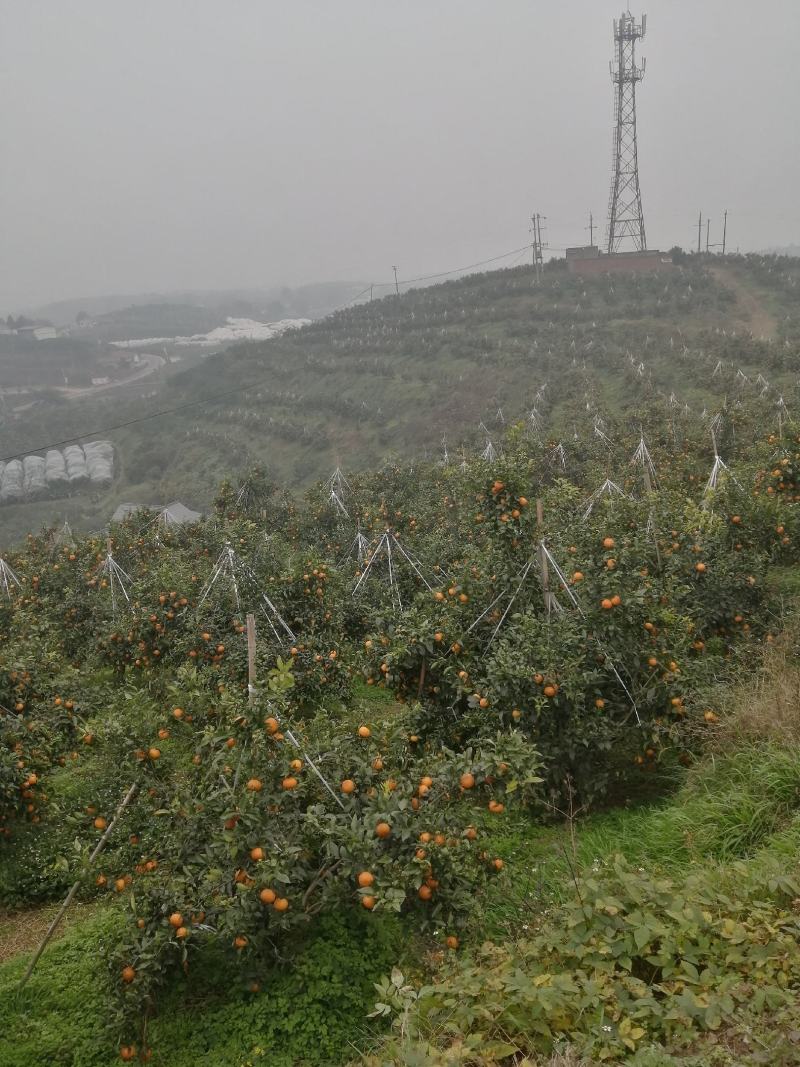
column 724, row 230
column 538, row 257
column 590, row 228
column 396, row 286
column 699, row 231
column 370, row 292
column 708, row 228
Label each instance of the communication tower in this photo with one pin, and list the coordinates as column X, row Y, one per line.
column 625, row 215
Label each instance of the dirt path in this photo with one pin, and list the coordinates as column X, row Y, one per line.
column 750, row 311
column 21, row 931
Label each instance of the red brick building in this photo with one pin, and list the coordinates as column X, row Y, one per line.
column 590, row 260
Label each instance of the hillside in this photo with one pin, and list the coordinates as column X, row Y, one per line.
column 400, row 375
column 521, row 766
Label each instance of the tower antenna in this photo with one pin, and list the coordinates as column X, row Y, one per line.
column 625, row 215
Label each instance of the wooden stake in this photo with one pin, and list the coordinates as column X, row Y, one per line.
column 421, row 679
column 544, row 570
column 101, row 844
column 251, row 659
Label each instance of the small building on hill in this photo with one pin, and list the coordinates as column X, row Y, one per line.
column 588, row 259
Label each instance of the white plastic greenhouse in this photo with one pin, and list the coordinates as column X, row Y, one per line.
column 57, row 472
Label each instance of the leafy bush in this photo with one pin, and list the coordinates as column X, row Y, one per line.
column 632, row 960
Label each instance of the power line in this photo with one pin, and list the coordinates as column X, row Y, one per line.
column 240, row 388
column 133, row 422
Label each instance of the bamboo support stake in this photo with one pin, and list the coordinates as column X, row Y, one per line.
column 648, row 488
column 101, row 844
column 251, row 659
column 543, row 567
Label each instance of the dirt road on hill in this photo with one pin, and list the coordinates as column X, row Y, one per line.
column 750, row 311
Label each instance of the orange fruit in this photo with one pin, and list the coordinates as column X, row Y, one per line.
column 382, row 830
column 267, row 896
column 348, row 786
column 128, row 974
column 467, row 780
column 281, row 904
column 365, row 879
column 364, row 731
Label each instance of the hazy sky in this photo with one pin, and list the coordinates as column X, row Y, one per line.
column 165, row 144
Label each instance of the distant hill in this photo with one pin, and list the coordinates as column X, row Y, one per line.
column 305, row 301
column 787, row 250
column 444, row 366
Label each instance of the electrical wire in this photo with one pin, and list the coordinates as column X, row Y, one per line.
column 431, row 277
column 252, row 385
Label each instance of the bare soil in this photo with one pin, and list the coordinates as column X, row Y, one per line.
column 750, row 310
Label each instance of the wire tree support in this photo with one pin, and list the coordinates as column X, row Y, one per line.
column 233, row 571
column 8, row 579
column 252, row 695
column 118, row 581
column 544, row 561
column 384, row 547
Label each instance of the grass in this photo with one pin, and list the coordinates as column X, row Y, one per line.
column 311, row 1011
column 729, row 807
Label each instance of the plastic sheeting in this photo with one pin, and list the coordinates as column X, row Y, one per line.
column 56, row 472
column 55, row 468
column 12, row 484
column 33, row 472
column 76, row 463
column 99, row 460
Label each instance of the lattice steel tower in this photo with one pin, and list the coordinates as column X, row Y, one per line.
column 625, row 215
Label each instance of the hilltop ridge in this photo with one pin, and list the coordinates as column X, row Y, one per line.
column 448, row 365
